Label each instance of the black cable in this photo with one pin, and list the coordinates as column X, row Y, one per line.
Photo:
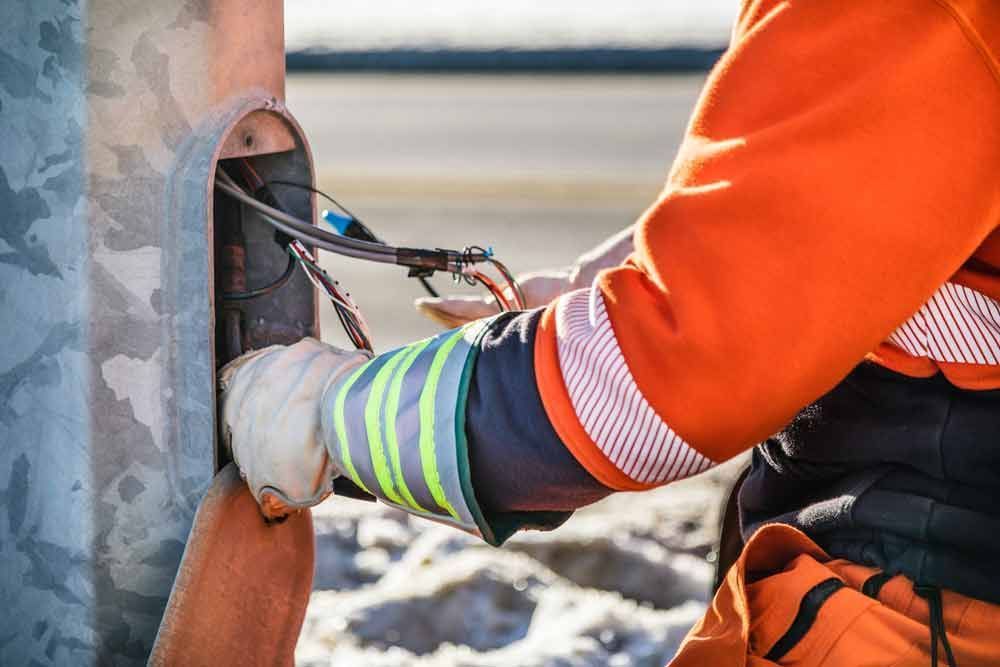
column 314, row 236
column 354, row 332
column 348, row 318
column 421, row 261
column 266, row 289
column 427, row 286
column 344, row 324
column 366, row 233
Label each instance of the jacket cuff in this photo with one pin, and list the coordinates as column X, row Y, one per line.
column 396, row 428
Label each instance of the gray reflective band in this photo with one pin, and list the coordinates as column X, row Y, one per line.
column 394, row 426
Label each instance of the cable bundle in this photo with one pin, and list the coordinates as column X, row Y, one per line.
column 347, row 311
column 509, row 297
column 357, row 241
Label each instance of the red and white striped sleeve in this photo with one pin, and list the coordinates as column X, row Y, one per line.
column 607, row 401
column 828, row 203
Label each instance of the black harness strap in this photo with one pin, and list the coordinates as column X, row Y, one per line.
column 806, row 616
column 873, row 584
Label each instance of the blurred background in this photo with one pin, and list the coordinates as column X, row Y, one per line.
column 538, row 129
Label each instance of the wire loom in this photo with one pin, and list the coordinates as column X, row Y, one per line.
column 361, row 243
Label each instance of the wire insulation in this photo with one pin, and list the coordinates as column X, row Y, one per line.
column 422, row 262
column 344, row 209
column 313, row 235
column 266, row 289
column 361, row 231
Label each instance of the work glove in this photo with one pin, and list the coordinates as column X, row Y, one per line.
column 393, row 426
column 540, row 288
column 270, row 420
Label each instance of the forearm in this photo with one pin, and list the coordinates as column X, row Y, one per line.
column 518, row 462
column 452, row 429
column 800, row 227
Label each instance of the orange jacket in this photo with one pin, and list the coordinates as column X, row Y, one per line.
column 841, row 166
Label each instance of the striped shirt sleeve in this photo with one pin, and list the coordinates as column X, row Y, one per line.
column 612, row 411
column 830, row 191
column 825, row 203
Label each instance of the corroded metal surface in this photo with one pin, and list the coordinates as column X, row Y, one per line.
column 258, row 133
column 111, row 117
column 243, row 587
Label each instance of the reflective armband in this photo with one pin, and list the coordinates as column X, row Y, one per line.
column 396, row 428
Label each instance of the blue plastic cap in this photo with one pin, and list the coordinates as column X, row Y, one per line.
column 340, row 223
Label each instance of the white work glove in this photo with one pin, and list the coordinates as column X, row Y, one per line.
column 540, row 288
column 270, row 419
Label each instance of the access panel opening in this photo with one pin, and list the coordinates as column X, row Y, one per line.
column 260, row 296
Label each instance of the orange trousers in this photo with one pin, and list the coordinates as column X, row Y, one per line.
column 750, row 621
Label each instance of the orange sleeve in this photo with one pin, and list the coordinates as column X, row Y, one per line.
column 841, row 164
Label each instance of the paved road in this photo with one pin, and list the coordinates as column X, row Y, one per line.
column 541, row 168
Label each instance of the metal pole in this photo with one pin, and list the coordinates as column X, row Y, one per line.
column 112, row 115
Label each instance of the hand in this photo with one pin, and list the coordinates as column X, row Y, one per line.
column 270, row 402
column 454, row 311
column 539, row 288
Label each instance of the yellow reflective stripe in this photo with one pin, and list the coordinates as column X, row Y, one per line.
column 341, row 428
column 374, row 428
column 391, row 411
column 428, row 460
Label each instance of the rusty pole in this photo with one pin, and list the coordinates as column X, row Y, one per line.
column 113, row 114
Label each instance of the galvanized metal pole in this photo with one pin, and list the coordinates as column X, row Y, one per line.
column 112, row 114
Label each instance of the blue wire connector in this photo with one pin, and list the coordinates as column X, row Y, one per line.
column 339, row 223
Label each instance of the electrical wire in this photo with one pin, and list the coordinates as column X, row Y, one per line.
column 492, row 287
column 436, row 260
column 428, row 287
column 312, row 235
column 358, row 230
column 422, row 262
column 515, row 288
column 347, row 311
column 515, row 300
column 266, row 289
column 317, row 275
column 302, row 186
column 366, row 232
column 321, row 278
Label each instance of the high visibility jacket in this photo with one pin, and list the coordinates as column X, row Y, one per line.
column 834, row 206
column 835, row 199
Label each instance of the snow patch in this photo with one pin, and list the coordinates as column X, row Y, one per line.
column 619, row 584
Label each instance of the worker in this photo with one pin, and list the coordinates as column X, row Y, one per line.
column 818, row 281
